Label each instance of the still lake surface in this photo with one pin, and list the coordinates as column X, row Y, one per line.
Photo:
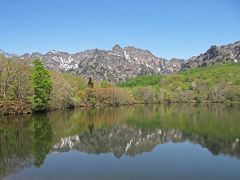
column 133, row 142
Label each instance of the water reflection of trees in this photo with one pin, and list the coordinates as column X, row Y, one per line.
column 42, row 139
column 24, row 141
column 27, row 140
column 15, row 144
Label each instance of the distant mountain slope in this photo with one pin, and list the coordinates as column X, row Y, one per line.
column 215, row 54
column 205, row 77
column 120, row 64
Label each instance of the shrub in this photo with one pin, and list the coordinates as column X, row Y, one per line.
column 232, row 93
column 105, row 84
column 112, row 96
column 146, row 95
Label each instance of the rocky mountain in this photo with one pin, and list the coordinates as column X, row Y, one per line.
column 120, row 63
column 215, row 54
column 116, row 65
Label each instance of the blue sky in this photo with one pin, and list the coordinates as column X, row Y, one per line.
column 168, row 28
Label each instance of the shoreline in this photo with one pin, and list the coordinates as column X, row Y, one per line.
column 8, row 108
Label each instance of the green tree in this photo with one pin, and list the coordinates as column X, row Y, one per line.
column 42, row 86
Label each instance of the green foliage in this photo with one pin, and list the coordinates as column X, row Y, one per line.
column 76, row 82
column 217, row 83
column 211, row 75
column 42, row 86
column 146, row 95
column 105, row 84
column 106, row 96
column 141, row 81
column 12, row 90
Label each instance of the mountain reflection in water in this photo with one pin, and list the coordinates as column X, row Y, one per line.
column 26, row 141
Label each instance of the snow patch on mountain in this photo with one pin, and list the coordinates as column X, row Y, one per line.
column 66, row 63
column 127, row 56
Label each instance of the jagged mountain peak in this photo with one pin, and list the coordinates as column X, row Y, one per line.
column 137, row 50
column 122, row 63
column 54, row 52
column 57, row 53
column 236, row 43
column 116, row 47
column 118, row 50
column 176, row 60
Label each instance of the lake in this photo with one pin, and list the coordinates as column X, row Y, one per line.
column 179, row 141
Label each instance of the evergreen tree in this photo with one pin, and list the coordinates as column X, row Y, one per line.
column 42, row 86
column 90, row 83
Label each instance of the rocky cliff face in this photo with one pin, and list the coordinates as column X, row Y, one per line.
column 215, row 54
column 120, row 63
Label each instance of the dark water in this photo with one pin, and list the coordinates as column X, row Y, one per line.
column 138, row 142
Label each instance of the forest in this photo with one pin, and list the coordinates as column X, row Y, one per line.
column 22, row 91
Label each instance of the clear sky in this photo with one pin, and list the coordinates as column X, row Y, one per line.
column 168, row 28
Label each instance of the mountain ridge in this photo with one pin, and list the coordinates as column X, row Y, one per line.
column 120, row 64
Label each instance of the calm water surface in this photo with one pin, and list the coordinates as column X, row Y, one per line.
column 138, row 142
